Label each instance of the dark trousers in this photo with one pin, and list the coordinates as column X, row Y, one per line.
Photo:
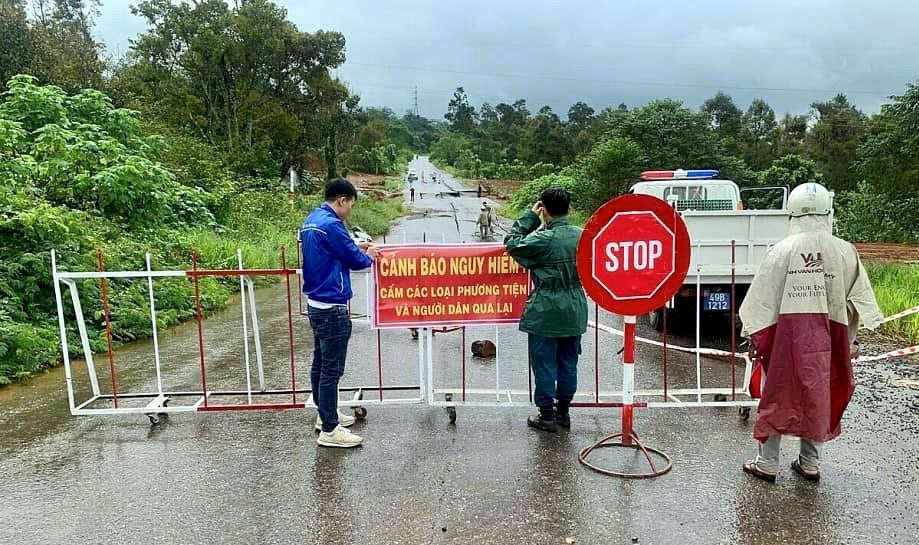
column 331, row 333
column 555, row 368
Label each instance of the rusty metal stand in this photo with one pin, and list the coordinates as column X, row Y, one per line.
column 631, row 442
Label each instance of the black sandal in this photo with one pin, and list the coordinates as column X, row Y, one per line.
column 752, row 469
column 813, row 477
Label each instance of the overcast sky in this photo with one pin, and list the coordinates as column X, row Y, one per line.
column 603, row 52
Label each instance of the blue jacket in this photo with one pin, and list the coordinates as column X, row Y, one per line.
column 329, row 256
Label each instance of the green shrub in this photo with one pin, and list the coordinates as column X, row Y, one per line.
column 871, row 216
column 524, row 198
column 393, row 184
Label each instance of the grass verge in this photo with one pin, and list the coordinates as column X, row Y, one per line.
column 896, row 286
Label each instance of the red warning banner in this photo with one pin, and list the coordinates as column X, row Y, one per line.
column 447, row 284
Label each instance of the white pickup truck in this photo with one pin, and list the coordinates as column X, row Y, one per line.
column 719, row 225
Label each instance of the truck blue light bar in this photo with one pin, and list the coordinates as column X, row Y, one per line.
column 702, row 174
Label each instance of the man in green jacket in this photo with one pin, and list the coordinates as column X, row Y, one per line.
column 555, row 315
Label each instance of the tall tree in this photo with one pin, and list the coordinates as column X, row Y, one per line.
column 726, row 119
column 888, row 160
column 609, row 121
column 833, row 141
column 791, row 170
column 459, row 113
column 545, row 140
column 580, row 121
column 424, row 132
column 513, row 114
column 671, row 135
column 487, row 115
column 488, row 145
column 509, row 134
column 612, row 166
column 580, row 115
column 788, row 171
column 246, row 79
column 15, row 40
column 66, row 54
column 758, row 126
column 789, row 135
column 723, row 115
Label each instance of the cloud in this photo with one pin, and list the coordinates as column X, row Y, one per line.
column 790, row 52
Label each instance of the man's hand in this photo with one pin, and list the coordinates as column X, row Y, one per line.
column 538, row 208
column 363, row 246
column 373, row 251
column 855, row 351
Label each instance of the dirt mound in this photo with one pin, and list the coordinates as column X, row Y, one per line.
column 363, row 181
column 500, row 190
column 887, row 251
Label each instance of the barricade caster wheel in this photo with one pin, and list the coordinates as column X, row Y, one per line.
column 744, row 413
column 451, row 411
column 154, row 419
column 360, row 412
column 720, row 398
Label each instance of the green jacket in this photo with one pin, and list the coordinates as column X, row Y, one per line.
column 557, row 307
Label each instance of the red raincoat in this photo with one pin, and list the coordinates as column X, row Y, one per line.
column 802, row 312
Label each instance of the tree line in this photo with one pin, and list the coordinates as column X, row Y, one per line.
column 871, row 162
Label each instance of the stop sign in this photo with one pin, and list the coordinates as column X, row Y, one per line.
column 634, row 254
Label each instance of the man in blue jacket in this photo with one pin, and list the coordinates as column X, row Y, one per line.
column 329, row 256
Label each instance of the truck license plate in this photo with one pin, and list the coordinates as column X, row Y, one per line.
column 716, row 300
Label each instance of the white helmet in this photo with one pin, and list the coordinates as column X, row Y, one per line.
column 810, row 199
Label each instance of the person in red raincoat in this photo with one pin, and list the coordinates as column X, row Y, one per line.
column 802, row 312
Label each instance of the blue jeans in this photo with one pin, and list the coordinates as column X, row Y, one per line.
column 555, row 368
column 331, row 333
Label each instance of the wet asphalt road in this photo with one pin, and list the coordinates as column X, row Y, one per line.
column 258, row 477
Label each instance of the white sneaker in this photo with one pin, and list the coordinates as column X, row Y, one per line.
column 339, row 437
column 345, row 420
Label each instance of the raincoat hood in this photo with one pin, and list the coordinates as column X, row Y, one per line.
column 809, row 224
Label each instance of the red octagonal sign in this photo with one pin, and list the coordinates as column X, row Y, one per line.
column 634, row 254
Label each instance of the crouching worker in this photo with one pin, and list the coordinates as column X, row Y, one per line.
column 802, row 313
column 329, row 256
column 555, row 315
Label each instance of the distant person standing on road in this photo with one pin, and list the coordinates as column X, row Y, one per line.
column 802, row 312
column 555, row 315
column 484, row 222
column 412, row 193
column 329, row 256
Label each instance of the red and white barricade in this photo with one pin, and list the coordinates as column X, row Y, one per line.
column 256, row 381
column 421, row 357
